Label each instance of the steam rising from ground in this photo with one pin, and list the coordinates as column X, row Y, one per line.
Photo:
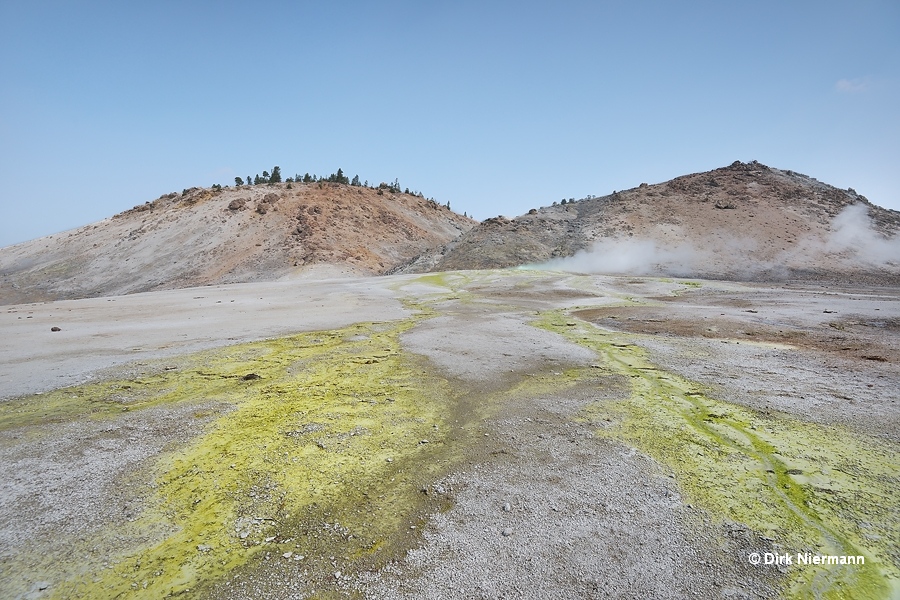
column 851, row 231
column 851, row 242
column 630, row 256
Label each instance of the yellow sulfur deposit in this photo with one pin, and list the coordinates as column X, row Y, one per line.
column 808, row 487
column 322, row 459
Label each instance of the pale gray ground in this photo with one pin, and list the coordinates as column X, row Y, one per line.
column 97, row 333
column 587, row 518
column 69, row 481
column 560, row 513
column 494, row 345
column 827, row 354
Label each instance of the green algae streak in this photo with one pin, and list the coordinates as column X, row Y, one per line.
column 323, row 455
column 812, row 488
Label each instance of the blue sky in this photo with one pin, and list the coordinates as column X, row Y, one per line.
column 497, row 107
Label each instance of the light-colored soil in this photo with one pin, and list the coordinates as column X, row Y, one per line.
column 590, row 444
column 788, row 346
column 98, row 333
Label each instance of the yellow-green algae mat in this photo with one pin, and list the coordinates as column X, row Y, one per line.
column 319, row 463
column 810, row 488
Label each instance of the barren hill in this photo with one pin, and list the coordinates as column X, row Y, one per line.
column 210, row 236
column 744, row 221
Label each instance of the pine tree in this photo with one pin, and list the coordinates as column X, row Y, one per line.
column 275, row 177
column 238, row 181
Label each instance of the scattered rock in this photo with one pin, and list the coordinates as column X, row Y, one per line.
column 506, row 532
column 250, row 377
column 507, row 507
column 55, row 329
column 237, row 204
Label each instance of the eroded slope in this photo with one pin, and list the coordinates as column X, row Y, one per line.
column 746, row 221
column 206, row 236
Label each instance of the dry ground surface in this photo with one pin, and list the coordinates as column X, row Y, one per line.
column 480, row 434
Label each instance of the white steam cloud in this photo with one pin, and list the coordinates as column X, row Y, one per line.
column 852, row 233
column 630, row 256
column 851, row 243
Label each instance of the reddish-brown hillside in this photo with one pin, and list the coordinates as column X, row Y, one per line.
column 207, row 236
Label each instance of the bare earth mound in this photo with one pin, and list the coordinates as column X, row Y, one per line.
column 207, row 236
column 746, row 221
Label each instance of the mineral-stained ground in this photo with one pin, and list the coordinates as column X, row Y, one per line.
column 477, row 434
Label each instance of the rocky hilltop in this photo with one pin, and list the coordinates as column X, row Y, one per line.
column 744, row 221
column 211, row 236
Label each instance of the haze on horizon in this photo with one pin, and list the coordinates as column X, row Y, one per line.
column 496, row 108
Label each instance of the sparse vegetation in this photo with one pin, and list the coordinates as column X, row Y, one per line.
column 338, row 177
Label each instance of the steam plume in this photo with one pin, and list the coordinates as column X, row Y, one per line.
column 851, row 243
